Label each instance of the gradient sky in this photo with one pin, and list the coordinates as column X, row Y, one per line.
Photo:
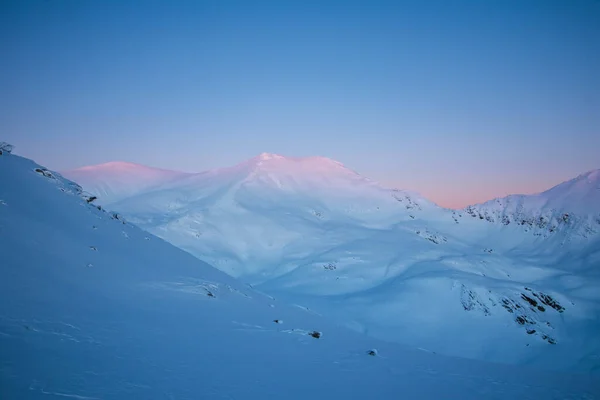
column 462, row 101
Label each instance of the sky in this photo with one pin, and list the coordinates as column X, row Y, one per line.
column 462, row 101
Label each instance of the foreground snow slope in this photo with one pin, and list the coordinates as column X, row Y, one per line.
column 391, row 264
column 92, row 307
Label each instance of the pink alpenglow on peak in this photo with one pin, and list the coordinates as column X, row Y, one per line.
column 272, row 178
column 124, row 167
column 279, row 160
column 312, row 176
column 269, row 156
column 297, row 165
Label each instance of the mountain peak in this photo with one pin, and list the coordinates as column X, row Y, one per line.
column 581, row 185
column 118, row 167
column 546, row 210
column 115, row 180
column 592, row 176
column 308, row 170
column 312, row 162
column 269, row 156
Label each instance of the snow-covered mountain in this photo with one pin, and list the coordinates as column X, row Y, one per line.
column 388, row 262
column 257, row 202
column 91, row 307
column 117, row 180
column 573, row 205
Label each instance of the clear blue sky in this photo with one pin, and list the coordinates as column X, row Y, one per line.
column 459, row 100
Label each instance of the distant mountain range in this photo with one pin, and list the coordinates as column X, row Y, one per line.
column 512, row 280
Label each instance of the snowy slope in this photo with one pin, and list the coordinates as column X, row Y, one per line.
column 117, row 180
column 387, row 262
column 92, row 307
column 573, row 205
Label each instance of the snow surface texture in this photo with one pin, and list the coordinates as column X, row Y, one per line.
column 516, row 280
column 92, row 307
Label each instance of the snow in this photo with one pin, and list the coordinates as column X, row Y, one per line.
column 5, row 148
column 575, row 200
column 139, row 318
column 393, row 265
column 116, row 180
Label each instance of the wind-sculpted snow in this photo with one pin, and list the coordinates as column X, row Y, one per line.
column 392, row 264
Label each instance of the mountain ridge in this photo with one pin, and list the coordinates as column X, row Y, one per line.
column 318, row 163
column 573, row 204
